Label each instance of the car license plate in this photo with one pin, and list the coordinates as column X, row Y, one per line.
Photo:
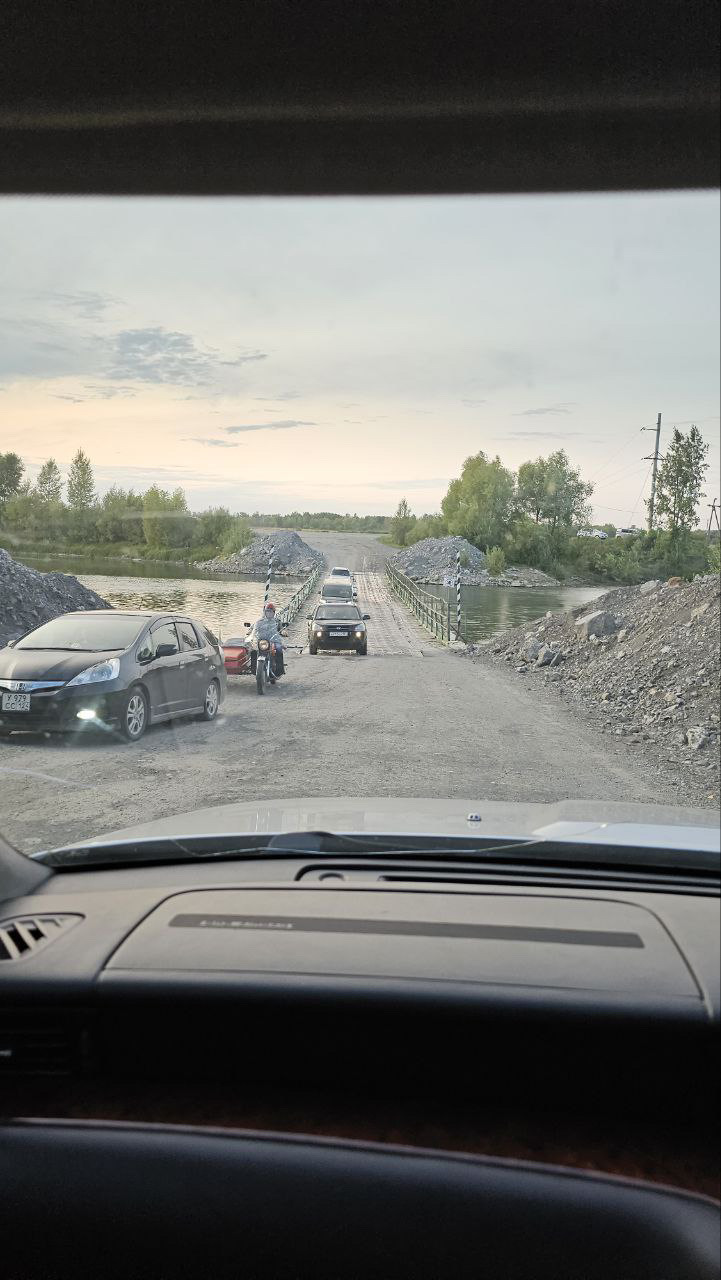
column 16, row 702
column 339, row 633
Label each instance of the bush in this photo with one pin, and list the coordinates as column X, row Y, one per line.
column 238, row 535
column 713, row 557
column 495, row 561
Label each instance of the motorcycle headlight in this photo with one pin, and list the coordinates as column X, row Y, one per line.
column 263, row 645
column 107, row 670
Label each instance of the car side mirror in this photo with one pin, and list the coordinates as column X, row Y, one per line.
column 366, row 617
column 165, row 651
column 143, row 656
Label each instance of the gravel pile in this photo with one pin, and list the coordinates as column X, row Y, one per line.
column 28, row 597
column 434, row 560
column 643, row 664
column 292, row 557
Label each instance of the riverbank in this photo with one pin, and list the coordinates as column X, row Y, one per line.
column 130, row 552
column 641, row 665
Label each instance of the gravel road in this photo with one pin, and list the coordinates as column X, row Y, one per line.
column 413, row 722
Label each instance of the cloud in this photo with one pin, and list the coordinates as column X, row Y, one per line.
column 109, row 392
column 563, row 407
column 166, row 357
column 287, row 424
column 282, row 395
column 216, row 444
column 543, row 435
column 472, row 404
column 87, row 305
column 72, row 399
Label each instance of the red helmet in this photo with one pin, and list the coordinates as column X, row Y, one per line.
column 269, row 605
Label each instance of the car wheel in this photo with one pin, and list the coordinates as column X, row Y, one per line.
column 134, row 715
column 312, row 648
column 211, row 702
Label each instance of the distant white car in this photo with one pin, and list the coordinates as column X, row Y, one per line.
column 593, row 533
column 627, row 533
column 340, row 574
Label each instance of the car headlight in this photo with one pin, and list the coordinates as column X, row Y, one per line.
column 319, row 633
column 359, row 635
column 108, row 670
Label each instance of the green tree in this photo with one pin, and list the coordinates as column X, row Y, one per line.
column 551, row 491
column 238, row 535
column 402, row 523
column 49, row 484
column 495, row 561
column 120, row 516
column 81, row 483
column 680, row 477
column 212, row 526
column 11, row 475
column 167, row 521
column 479, row 504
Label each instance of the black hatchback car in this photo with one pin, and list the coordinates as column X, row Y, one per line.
column 337, row 626
column 120, row 671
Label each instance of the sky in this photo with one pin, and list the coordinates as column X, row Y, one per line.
column 340, row 354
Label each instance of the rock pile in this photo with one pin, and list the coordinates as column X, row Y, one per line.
column 292, row 557
column 434, row 560
column 28, row 597
column 641, row 661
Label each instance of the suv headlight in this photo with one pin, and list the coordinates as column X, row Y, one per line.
column 108, row 670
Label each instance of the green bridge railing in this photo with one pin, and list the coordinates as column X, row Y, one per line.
column 433, row 613
column 296, row 602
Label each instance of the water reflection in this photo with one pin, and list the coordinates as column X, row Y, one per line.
column 490, row 609
column 223, row 604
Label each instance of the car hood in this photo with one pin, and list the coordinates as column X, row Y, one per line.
column 49, row 664
column 649, row 826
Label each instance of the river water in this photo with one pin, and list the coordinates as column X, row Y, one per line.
column 486, row 610
column 226, row 603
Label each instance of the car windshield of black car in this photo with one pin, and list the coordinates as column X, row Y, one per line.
column 96, row 633
column 333, row 612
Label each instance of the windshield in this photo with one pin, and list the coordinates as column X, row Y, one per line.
column 328, row 612
column 104, row 632
column 494, row 418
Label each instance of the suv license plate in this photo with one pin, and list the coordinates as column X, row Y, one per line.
column 16, row 702
column 339, row 633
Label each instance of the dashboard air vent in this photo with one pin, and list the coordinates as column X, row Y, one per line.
column 27, row 934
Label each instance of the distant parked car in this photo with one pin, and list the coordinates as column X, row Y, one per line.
column 628, row 533
column 593, row 533
column 118, row 671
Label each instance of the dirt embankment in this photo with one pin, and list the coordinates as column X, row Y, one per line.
column 642, row 663
column 434, row 560
column 292, row 557
column 28, row 597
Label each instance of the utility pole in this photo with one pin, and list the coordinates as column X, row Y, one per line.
column 654, row 458
column 713, row 516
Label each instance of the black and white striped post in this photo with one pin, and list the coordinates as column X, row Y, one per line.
column 266, row 597
column 458, row 595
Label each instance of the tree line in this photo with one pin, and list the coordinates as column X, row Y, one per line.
column 157, row 522
column 533, row 517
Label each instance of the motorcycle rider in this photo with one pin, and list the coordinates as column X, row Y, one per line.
column 266, row 628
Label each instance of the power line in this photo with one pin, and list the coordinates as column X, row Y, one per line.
column 610, row 461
